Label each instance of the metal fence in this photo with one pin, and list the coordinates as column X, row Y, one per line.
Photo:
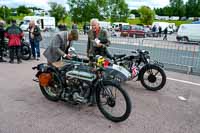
column 175, row 55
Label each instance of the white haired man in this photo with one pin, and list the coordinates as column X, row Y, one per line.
column 35, row 38
column 97, row 41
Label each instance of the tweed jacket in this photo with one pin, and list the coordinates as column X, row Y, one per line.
column 57, row 47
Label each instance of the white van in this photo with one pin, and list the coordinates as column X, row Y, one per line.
column 117, row 26
column 189, row 32
column 105, row 25
column 42, row 22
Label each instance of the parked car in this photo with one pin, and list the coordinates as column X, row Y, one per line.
column 188, row 32
column 133, row 31
column 117, row 26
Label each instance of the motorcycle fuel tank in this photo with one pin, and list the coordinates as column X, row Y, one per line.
column 81, row 75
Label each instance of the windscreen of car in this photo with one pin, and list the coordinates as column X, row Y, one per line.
column 125, row 27
column 137, row 27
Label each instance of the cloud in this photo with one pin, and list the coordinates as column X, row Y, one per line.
column 133, row 4
column 38, row 3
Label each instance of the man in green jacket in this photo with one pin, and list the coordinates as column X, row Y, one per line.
column 97, row 41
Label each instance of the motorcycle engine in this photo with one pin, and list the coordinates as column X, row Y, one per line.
column 78, row 90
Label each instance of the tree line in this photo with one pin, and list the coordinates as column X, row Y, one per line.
column 178, row 8
column 112, row 10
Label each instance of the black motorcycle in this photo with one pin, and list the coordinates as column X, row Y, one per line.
column 25, row 51
column 79, row 83
column 138, row 63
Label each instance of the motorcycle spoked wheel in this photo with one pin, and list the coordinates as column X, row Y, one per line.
column 150, row 75
column 53, row 91
column 25, row 51
column 110, row 98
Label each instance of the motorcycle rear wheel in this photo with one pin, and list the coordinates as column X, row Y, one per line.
column 111, row 101
column 53, row 91
column 25, row 51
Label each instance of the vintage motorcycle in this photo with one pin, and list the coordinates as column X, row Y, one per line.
column 79, row 83
column 25, row 51
column 137, row 66
column 138, row 63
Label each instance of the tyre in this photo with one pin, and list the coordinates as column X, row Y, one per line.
column 185, row 39
column 53, row 91
column 152, row 77
column 25, row 51
column 108, row 102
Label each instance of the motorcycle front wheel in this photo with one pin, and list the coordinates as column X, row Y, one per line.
column 113, row 101
column 152, row 77
column 25, row 51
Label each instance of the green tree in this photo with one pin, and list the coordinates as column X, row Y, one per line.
column 191, row 8
column 198, row 8
column 135, row 12
column 57, row 11
column 22, row 10
column 159, row 11
column 5, row 12
column 178, row 8
column 167, row 11
column 84, row 10
column 118, row 10
column 146, row 15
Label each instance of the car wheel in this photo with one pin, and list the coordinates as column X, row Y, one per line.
column 185, row 39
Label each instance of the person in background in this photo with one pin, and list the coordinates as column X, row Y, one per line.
column 97, row 41
column 154, row 30
column 160, row 30
column 14, row 34
column 2, row 45
column 35, row 38
column 84, row 28
column 59, row 46
column 165, row 32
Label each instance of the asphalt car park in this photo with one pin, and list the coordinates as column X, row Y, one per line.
column 23, row 108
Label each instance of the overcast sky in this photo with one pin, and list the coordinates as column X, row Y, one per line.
column 133, row 4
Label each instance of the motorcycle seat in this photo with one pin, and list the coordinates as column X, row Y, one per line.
column 119, row 55
column 58, row 64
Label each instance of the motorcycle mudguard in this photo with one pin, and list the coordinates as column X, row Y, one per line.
column 159, row 64
column 43, row 68
column 118, row 71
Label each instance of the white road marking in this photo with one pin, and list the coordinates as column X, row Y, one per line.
column 183, row 81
